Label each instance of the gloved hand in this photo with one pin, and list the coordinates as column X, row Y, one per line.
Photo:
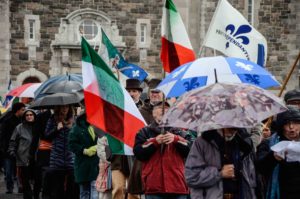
column 90, row 151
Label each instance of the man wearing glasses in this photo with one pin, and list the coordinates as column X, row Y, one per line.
column 155, row 96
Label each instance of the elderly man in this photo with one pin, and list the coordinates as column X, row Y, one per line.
column 282, row 177
column 161, row 177
column 155, row 96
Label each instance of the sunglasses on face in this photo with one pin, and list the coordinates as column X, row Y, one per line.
column 155, row 91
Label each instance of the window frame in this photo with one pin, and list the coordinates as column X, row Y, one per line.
column 94, row 24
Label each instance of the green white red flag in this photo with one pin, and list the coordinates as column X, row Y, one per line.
column 108, row 105
column 176, row 46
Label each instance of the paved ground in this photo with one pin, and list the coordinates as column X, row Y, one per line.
column 3, row 195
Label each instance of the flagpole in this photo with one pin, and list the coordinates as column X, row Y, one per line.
column 268, row 123
column 289, row 75
column 208, row 30
column 162, row 147
column 252, row 12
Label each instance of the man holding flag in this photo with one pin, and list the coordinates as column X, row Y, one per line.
column 109, row 107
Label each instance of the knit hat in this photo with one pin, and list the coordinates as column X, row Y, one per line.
column 292, row 114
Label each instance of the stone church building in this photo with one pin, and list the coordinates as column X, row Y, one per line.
column 41, row 38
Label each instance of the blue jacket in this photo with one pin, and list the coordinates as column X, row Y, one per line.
column 60, row 157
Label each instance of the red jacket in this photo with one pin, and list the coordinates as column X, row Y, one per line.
column 162, row 172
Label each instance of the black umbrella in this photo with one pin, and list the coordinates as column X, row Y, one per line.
column 57, row 99
column 65, row 86
column 68, row 77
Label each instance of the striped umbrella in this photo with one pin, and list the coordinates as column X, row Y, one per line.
column 26, row 90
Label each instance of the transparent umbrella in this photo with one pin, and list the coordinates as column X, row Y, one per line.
column 223, row 105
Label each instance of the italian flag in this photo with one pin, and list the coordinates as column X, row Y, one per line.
column 176, row 47
column 108, row 105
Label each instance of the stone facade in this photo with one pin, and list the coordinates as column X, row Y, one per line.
column 43, row 36
column 4, row 45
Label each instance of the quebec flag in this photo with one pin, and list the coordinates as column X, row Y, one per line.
column 231, row 34
column 134, row 72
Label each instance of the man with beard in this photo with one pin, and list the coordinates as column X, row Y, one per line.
column 220, row 165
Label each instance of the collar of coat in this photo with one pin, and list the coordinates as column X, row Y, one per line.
column 242, row 138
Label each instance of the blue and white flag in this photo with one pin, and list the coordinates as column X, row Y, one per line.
column 134, row 72
column 231, row 34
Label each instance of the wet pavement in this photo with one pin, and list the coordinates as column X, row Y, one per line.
column 3, row 195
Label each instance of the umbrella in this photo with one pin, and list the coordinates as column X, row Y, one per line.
column 64, row 86
column 201, row 72
column 69, row 77
column 56, row 99
column 26, row 90
column 223, row 105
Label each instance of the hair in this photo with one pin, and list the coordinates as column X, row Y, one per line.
column 17, row 106
column 69, row 115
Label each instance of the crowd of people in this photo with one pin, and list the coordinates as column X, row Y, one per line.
column 57, row 154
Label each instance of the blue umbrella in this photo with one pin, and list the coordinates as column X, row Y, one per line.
column 40, row 92
column 201, row 72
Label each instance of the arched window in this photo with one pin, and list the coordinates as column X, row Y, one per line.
column 89, row 29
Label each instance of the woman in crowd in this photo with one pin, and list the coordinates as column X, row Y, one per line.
column 282, row 178
column 83, row 142
column 60, row 175
column 20, row 147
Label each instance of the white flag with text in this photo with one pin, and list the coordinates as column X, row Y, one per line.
column 231, row 34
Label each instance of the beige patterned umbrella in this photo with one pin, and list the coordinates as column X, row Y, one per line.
column 223, row 105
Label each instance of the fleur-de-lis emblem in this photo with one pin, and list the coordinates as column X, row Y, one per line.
column 252, row 79
column 247, row 67
column 189, row 85
column 239, row 34
column 135, row 73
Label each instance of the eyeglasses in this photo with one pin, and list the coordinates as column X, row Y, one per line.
column 29, row 115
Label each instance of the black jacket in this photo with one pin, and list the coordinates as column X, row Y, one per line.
column 7, row 129
column 289, row 172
